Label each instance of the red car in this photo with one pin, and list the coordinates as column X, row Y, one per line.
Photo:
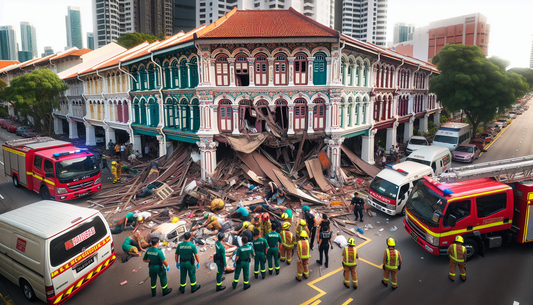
column 4, row 123
column 12, row 127
column 479, row 142
column 486, row 136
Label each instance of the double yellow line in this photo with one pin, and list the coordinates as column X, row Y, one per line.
column 496, row 138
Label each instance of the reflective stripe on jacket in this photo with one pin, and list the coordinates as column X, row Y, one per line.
column 394, row 256
column 461, row 253
column 304, row 249
column 286, row 237
column 347, row 254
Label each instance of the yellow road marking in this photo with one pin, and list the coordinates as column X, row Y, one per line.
column 496, row 138
column 347, row 302
column 322, row 292
column 370, row 263
column 317, row 302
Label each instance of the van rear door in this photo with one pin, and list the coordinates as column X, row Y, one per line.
column 76, row 252
column 6, row 263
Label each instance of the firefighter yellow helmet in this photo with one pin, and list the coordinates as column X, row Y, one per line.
column 286, row 225
column 351, row 242
column 302, row 222
column 284, row 216
column 391, row 242
column 303, row 234
column 459, row 239
column 140, row 218
column 246, row 224
column 114, row 163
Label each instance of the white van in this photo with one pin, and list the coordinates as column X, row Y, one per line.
column 389, row 190
column 452, row 134
column 52, row 250
column 438, row 157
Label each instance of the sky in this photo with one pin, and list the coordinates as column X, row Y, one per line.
column 510, row 20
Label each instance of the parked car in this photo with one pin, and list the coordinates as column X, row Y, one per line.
column 20, row 129
column 466, row 153
column 526, row 107
column 513, row 114
column 503, row 122
column 13, row 127
column 507, row 118
column 30, row 133
column 519, row 110
column 416, row 143
column 5, row 123
column 496, row 127
column 479, row 142
column 486, row 136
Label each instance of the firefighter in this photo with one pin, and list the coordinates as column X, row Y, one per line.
column 217, row 205
column 274, row 240
column 220, row 260
column 287, row 243
column 392, row 262
column 119, row 169
column 114, row 168
column 188, row 252
column 302, row 226
column 242, row 262
column 349, row 256
column 266, row 225
column 457, row 254
column 260, row 250
column 156, row 260
column 302, row 250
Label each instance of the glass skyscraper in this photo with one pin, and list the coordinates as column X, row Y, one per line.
column 73, row 23
column 28, row 38
column 8, row 43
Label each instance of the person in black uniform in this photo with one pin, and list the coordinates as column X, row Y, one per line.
column 358, row 205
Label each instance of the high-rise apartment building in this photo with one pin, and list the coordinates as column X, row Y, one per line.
column 322, row 11
column 112, row 19
column 531, row 57
column 365, row 20
column 8, row 43
column 403, row 32
column 47, row 51
column 28, row 39
column 73, row 23
column 154, row 17
column 184, row 15
column 90, row 41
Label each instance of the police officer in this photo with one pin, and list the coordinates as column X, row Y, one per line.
column 156, row 260
column 311, row 224
column 349, row 256
column 242, row 262
column 302, row 250
column 358, row 206
column 392, row 262
column 260, row 249
column 287, row 243
column 274, row 240
column 220, row 260
column 188, row 252
column 457, row 254
column 324, row 241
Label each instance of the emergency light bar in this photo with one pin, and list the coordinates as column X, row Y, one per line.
column 66, row 153
column 441, row 187
column 399, row 170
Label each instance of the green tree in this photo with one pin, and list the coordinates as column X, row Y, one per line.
column 475, row 84
column 36, row 95
column 525, row 72
column 130, row 40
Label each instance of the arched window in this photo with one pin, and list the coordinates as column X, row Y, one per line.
column 389, row 108
column 109, row 81
column 135, row 81
column 151, row 77
column 225, row 113
column 193, row 68
column 319, row 115
column 136, row 112
column 170, row 113
column 356, row 110
column 282, row 114
column 366, row 70
column 143, row 78
column 175, row 74
column 184, row 115
column 126, row 112
column 319, row 69
column 300, row 69
column 142, row 110
column 300, row 114
column 280, row 69
column 376, row 108
column 195, row 120
column 154, row 112
column 242, row 77
column 350, row 107
column 222, row 70
column 184, row 74
column 167, row 82
column 349, row 74
column 260, row 124
column 245, row 107
column 261, row 70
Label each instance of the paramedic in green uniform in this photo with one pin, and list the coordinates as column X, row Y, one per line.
column 188, row 252
column 260, row 248
column 242, row 261
column 156, row 259
column 220, row 260
column 273, row 240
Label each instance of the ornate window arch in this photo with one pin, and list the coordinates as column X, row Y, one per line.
column 225, row 115
column 300, row 114
column 300, row 69
column 222, row 70
column 281, row 69
column 319, row 114
column 261, row 70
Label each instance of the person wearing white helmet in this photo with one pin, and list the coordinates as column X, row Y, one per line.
column 457, row 254
column 392, row 262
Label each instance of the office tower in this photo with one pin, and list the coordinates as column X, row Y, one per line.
column 90, row 41
column 47, row 51
column 531, row 57
column 184, row 15
column 112, row 19
column 73, row 23
column 154, row 17
column 28, row 38
column 403, row 32
column 8, row 43
column 365, row 20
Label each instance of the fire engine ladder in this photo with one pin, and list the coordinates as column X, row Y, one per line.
column 21, row 142
column 505, row 171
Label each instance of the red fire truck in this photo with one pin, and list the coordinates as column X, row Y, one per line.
column 487, row 204
column 54, row 169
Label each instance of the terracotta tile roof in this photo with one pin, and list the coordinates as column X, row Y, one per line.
column 7, row 63
column 265, row 23
column 74, row 52
column 36, row 61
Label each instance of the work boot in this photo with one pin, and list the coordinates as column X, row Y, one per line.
column 154, row 292
column 453, row 280
column 270, row 272
column 277, row 271
column 256, row 275
column 246, row 286
column 195, row 288
column 299, row 280
column 346, row 285
column 167, row 291
column 463, row 279
column 182, row 289
column 354, row 287
column 220, row 288
column 326, row 265
column 394, row 288
column 263, row 274
column 384, row 284
column 234, row 284
column 319, row 262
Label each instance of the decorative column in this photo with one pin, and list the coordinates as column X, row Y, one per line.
column 213, row 119
column 345, row 80
column 90, row 139
column 137, row 143
column 72, row 128
column 231, row 63
column 251, row 70
column 162, row 146
column 310, row 61
column 391, row 136
column 270, row 71
column 109, row 134
column 436, row 117
column 208, row 157
column 291, row 70
column 291, row 119
column 310, row 108
column 58, row 125
column 235, row 120
column 367, row 149
column 423, row 127
column 329, row 71
column 334, row 154
column 408, row 129
column 211, row 81
column 334, row 115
